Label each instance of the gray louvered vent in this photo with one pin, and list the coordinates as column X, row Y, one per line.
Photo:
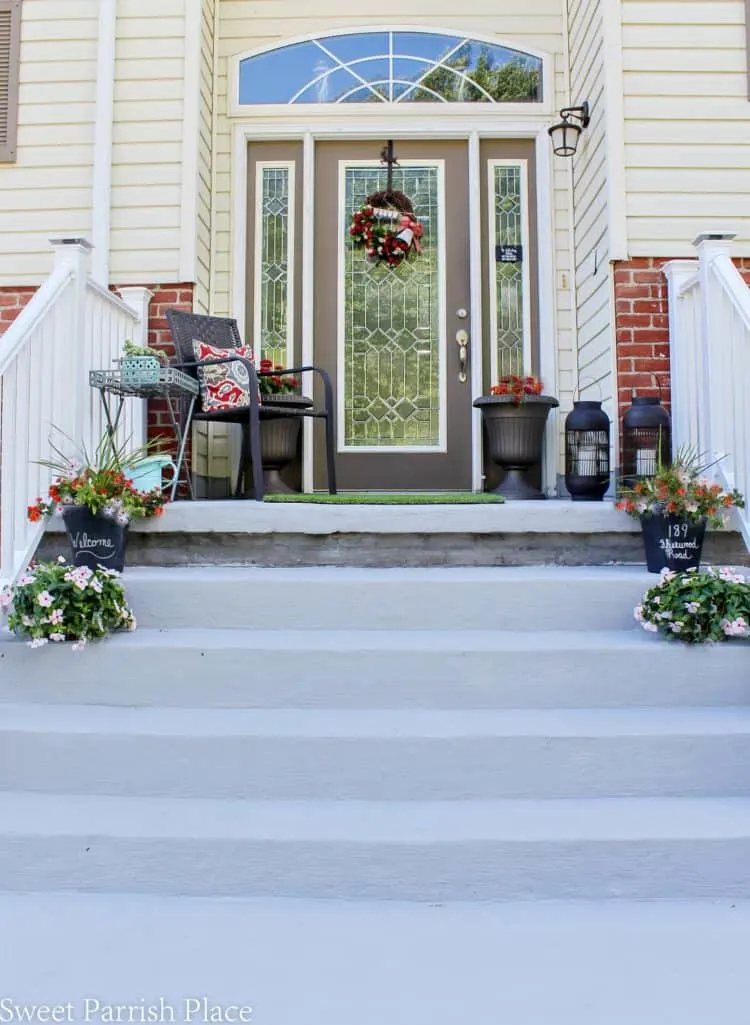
column 10, row 18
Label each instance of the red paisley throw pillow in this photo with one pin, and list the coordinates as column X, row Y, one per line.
column 225, row 385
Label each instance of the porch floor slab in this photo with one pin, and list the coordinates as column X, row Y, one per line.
column 571, row 963
column 300, row 518
column 246, row 533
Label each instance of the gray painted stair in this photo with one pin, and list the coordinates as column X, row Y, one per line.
column 422, row 735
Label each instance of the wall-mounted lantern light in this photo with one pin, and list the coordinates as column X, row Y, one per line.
column 566, row 133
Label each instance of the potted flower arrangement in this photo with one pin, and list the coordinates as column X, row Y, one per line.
column 697, row 607
column 674, row 508
column 97, row 501
column 55, row 602
column 279, row 436
column 140, row 364
column 515, row 415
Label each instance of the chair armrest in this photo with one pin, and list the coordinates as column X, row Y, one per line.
column 323, row 374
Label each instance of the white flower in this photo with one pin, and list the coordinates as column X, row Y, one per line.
column 665, row 576
column 638, row 613
column 45, row 599
column 736, row 628
column 677, row 626
column 38, row 642
column 61, row 559
column 123, row 519
column 692, row 606
column 657, row 599
column 132, row 623
column 79, row 645
column 25, row 579
column 27, row 621
column 57, row 638
column 6, row 598
column 55, row 617
column 96, row 585
column 651, row 627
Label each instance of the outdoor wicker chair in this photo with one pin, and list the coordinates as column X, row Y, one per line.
column 223, row 333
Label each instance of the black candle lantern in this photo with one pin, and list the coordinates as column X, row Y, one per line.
column 646, row 439
column 587, row 452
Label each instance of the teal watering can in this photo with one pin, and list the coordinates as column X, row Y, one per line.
column 146, row 474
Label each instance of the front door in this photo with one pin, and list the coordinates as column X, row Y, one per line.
column 388, row 335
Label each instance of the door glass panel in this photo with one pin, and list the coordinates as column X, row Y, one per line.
column 507, row 236
column 391, row 324
column 273, row 322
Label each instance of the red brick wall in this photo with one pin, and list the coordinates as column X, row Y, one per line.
column 12, row 300
column 165, row 296
column 642, row 328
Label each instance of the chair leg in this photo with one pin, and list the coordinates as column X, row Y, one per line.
column 244, row 450
column 256, row 459
column 330, row 455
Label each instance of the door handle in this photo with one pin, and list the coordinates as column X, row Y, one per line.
column 462, row 341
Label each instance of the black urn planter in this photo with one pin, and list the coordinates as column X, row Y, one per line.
column 515, row 436
column 671, row 542
column 279, row 437
column 96, row 540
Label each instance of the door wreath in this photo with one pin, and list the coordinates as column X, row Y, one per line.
column 387, row 228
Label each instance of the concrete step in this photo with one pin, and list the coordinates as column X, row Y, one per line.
column 333, row 963
column 556, row 532
column 402, row 755
column 379, row 669
column 521, row 598
column 359, row 850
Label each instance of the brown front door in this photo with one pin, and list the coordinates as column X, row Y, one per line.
column 388, row 336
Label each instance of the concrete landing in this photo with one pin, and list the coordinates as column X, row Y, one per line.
column 554, row 532
column 307, row 963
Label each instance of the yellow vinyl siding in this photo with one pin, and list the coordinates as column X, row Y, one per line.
column 147, row 155
column 47, row 191
column 590, row 217
column 687, row 123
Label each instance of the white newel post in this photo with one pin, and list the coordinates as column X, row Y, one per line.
column 710, row 246
column 682, row 348
column 139, row 300
column 75, row 253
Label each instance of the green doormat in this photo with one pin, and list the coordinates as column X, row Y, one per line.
column 387, row 498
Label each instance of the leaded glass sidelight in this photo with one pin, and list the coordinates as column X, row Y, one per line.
column 507, row 256
column 273, row 239
column 391, row 67
column 390, row 324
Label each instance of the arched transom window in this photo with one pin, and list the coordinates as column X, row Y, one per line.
column 391, row 67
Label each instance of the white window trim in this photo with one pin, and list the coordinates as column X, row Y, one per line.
column 442, row 443
column 546, row 106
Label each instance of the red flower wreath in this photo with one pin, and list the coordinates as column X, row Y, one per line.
column 387, row 233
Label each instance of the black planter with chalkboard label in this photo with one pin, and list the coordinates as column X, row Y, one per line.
column 96, row 540
column 672, row 542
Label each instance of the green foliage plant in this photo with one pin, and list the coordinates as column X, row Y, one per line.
column 697, row 606
column 56, row 602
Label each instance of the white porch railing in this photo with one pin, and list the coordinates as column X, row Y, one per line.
column 709, row 311
column 70, row 326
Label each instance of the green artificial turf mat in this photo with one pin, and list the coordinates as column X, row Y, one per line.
column 387, row 498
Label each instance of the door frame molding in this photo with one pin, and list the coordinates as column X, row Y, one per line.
column 333, row 126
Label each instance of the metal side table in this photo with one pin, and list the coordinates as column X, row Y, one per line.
column 175, row 387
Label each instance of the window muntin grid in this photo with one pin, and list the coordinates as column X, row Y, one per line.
column 391, row 67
